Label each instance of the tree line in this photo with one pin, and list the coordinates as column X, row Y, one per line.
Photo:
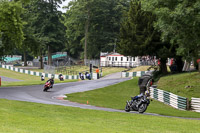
column 37, row 28
column 165, row 29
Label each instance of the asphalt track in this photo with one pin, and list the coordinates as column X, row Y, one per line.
column 9, row 79
column 55, row 96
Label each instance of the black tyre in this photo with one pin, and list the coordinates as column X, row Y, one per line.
column 45, row 89
column 142, row 108
column 127, row 108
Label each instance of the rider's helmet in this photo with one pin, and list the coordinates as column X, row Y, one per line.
column 52, row 77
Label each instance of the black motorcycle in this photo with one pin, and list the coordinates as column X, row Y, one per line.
column 61, row 77
column 138, row 103
column 88, row 75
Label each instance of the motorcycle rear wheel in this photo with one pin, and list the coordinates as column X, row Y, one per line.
column 142, row 108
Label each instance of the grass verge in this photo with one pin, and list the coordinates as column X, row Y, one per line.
column 105, row 70
column 184, row 84
column 27, row 79
column 115, row 96
column 24, row 117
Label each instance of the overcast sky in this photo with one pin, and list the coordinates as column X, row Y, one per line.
column 64, row 4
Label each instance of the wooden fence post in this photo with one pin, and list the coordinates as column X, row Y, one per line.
column 188, row 104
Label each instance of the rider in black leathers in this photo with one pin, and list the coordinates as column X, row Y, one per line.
column 51, row 81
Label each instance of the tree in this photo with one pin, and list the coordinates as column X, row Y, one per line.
column 138, row 37
column 91, row 29
column 11, row 25
column 178, row 22
column 48, row 29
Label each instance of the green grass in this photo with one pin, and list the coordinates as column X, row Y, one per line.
column 144, row 68
column 105, row 70
column 177, row 84
column 24, row 117
column 115, row 96
column 139, row 68
column 110, row 70
column 27, row 79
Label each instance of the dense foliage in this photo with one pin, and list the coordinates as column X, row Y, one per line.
column 92, row 29
column 179, row 23
column 138, row 37
column 138, row 27
column 11, row 26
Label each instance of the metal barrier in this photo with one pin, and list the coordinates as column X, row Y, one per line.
column 56, row 76
column 195, row 104
column 171, row 99
column 132, row 74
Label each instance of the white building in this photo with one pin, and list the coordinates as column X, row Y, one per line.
column 118, row 60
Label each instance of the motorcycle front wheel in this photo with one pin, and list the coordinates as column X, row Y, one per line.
column 127, row 108
column 45, row 89
column 142, row 108
column 133, row 106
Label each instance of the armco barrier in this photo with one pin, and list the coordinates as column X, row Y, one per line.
column 169, row 98
column 133, row 74
column 94, row 75
column 38, row 73
column 195, row 104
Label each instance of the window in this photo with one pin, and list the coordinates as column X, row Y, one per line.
column 115, row 58
column 109, row 58
column 112, row 58
column 133, row 58
column 121, row 58
column 127, row 58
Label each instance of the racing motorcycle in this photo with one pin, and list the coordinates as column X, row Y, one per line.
column 61, row 77
column 138, row 103
column 47, row 86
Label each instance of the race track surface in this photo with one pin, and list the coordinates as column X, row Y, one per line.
column 54, row 96
column 35, row 93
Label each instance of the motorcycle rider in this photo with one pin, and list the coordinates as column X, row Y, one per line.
column 60, row 76
column 87, row 75
column 51, row 80
column 42, row 78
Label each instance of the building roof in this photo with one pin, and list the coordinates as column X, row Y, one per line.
column 110, row 54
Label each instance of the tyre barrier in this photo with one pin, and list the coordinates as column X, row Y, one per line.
column 195, row 104
column 171, row 99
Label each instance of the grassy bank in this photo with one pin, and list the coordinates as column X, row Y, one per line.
column 184, row 84
column 77, row 69
column 115, row 96
column 27, row 79
column 24, row 117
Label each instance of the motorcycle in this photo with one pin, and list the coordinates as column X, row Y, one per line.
column 88, row 76
column 47, row 86
column 138, row 103
column 61, row 77
column 81, row 76
column 42, row 78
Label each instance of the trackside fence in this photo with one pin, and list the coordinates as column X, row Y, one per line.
column 132, row 74
column 195, row 104
column 56, row 76
column 39, row 73
column 171, row 99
